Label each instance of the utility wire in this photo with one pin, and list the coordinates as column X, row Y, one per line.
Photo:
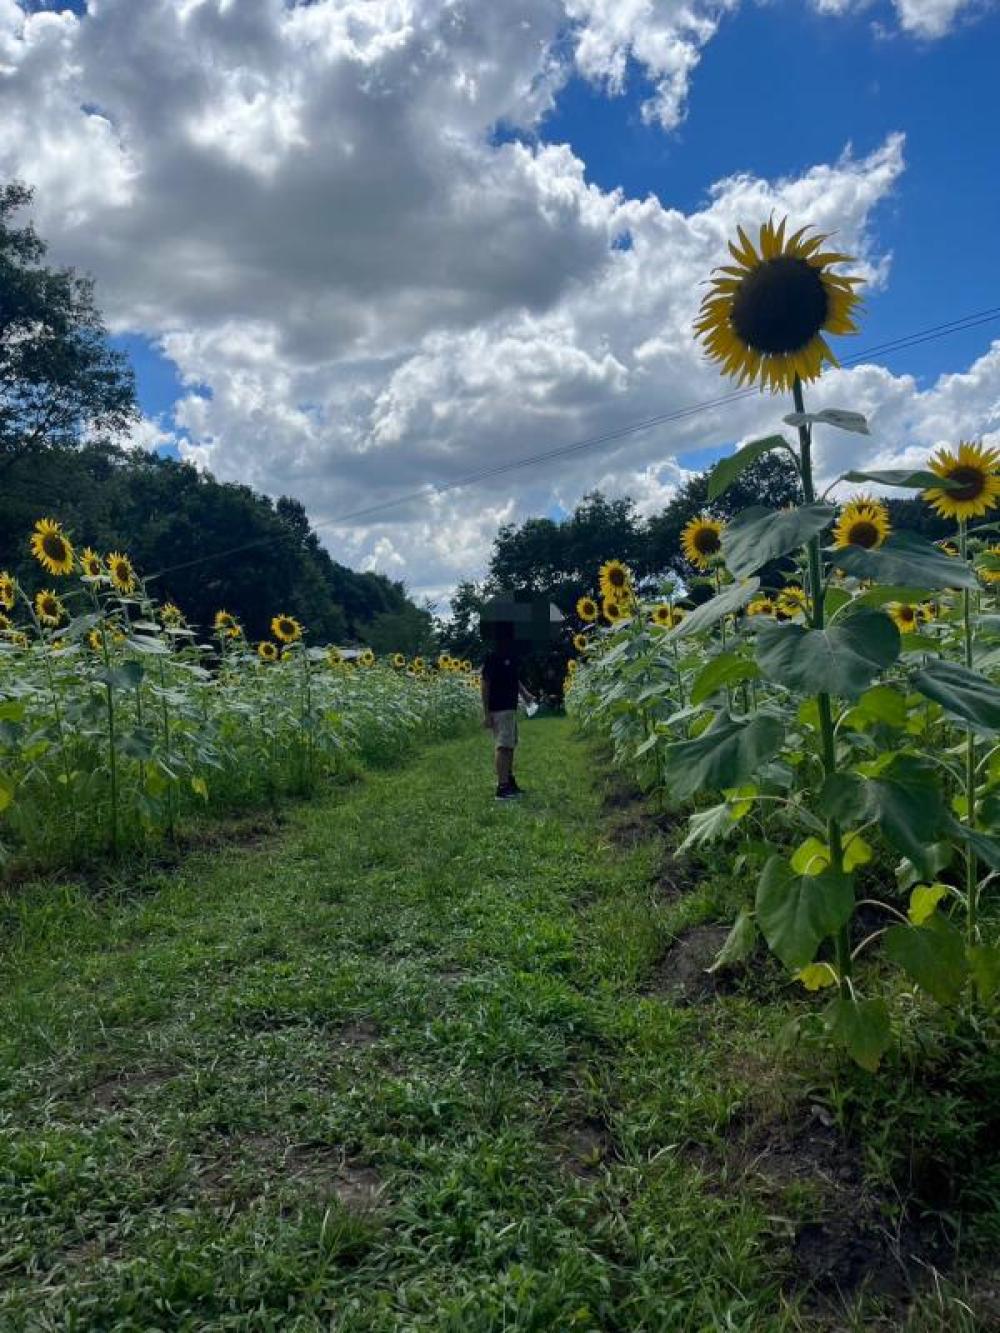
column 903, row 343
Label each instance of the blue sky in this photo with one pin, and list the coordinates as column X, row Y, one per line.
column 778, row 89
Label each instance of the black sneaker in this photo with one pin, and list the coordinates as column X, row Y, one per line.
column 506, row 792
column 518, row 791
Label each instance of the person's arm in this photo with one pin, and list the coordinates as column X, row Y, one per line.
column 484, row 695
column 525, row 693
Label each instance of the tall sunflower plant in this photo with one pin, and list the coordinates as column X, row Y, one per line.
column 859, row 703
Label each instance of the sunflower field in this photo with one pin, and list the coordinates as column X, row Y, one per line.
column 118, row 719
column 834, row 726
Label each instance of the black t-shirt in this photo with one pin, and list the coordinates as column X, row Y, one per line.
column 500, row 675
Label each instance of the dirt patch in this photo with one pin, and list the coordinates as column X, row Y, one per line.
column 674, row 877
column 117, row 1090
column 584, row 1148
column 358, row 1032
column 681, row 975
column 620, row 792
column 358, row 1187
column 632, row 828
column 848, row 1244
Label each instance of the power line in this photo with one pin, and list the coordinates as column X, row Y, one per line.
column 902, row 343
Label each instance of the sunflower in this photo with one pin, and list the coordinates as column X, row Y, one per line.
column 580, row 642
column 18, row 638
column 863, row 522
column 762, row 320
column 418, row 664
column 612, row 611
column 398, row 660
column 907, row 616
column 333, row 657
column 7, row 590
column 667, row 616
column 984, row 571
column 792, row 600
column 367, row 658
column 444, row 661
column 761, row 606
column 587, row 609
column 700, row 540
column 48, row 608
column 466, row 664
column 615, row 579
column 90, row 563
column 973, row 472
column 571, row 666
column 267, row 651
column 225, row 624
column 96, row 640
column 51, row 547
column 948, row 547
column 123, row 576
column 5, row 623
column 171, row 615
column 286, row 628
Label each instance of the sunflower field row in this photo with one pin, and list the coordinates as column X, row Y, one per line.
column 117, row 720
column 830, row 714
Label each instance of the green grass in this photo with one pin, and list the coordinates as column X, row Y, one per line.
column 392, row 1068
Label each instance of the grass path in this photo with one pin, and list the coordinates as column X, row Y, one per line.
column 389, row 1069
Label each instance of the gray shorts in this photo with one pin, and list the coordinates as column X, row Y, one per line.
column 504, row 726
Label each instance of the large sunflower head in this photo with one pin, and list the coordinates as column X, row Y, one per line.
column 763, row 319
column 286, row 628
column 986, row 572
column 792, row 601
column 267, row 651
column 580, row 642
column 666, row 615
column 90, row 563
column 761, row 606
column 906, row 616
column 444, row 661
column 466, row 665
column 613, row 611
column 224, row 622
column 123, row 576
column 367, row 658
column 615, row 579
column 51, row 547
column 862, row 522
column 48, row 608
column 333, row 657
column 171, row 615
column 587, row 609
column 398, row 660
column 974, row 474
column 8, row 588
column 700, row 540
column 417, row 664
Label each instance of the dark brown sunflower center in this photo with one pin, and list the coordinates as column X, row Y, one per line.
column 706, row 541
column 907, row 613
column 54, row 546
column 863, row 533
column 286, row 626
column 780, row 306
column 968, row 483
column 616, row 577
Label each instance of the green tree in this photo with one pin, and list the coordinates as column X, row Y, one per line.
column 58, row 375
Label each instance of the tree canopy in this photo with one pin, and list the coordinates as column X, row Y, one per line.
column 59, row 378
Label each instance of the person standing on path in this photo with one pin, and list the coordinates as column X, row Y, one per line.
column 500, row 690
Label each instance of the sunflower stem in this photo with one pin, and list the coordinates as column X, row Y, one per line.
column 971, row 864
column 827, row 734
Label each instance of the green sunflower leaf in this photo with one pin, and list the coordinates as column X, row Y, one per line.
column 728, row 469
column 961, row 692
column 904, row 796
column 933, row 955
column 739, row 943
column 797, row 912
column 984, row 964
column 840, row 660
column 861, row 1027
column 758, row 535
column 919, row 479
column 724, row 669
column 904, row 559
column 727, row 754
column 725, row 603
